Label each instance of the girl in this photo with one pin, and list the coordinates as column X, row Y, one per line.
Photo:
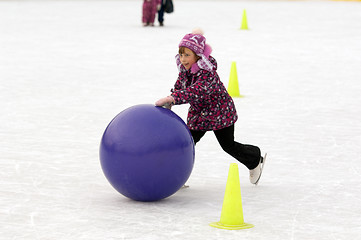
column 150, row 8
column 211, row 107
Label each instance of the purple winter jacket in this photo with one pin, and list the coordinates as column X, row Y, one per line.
column 211, row 106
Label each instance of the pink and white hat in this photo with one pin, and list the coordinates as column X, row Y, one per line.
column 196, row 42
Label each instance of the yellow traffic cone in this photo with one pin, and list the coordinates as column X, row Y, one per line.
column 244, row 25
column 232, row 213
column 233, row 89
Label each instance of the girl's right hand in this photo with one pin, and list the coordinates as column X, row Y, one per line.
column 166, row 102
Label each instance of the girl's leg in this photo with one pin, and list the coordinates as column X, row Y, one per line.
column 197, row 135
column 249, row 155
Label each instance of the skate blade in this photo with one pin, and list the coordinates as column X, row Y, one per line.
column 262, row 166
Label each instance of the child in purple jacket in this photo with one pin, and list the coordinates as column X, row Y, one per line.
column 150, row 8
column 211, row 107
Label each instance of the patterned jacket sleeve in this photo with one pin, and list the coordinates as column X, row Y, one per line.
column 197, row 93
column 178, row 85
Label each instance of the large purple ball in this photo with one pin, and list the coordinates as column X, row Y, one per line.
column 147, row 153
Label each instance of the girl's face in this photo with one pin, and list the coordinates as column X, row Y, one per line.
column 187, row 57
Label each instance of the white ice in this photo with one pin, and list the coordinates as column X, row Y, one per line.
column 68, row 67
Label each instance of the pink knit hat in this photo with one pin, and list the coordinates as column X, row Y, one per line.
column 196, row 42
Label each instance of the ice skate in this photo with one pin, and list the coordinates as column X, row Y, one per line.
column 255, row 174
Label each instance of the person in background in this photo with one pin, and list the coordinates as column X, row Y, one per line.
column 161, row 13
column 150, row 8
column 166, row 6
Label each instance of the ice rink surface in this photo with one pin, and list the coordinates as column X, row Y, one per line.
column 68, row 67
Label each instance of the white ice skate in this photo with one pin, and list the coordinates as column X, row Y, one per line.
column 255, row 174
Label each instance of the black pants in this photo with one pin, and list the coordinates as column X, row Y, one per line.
column 247, row 154
column 161, row 13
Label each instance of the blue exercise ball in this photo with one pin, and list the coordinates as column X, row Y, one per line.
column 147, row 153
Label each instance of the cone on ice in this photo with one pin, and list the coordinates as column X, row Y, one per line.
column 233, row 88
column 244, row 25
column 232, row 212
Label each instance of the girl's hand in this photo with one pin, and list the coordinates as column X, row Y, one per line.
column 166, row 102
